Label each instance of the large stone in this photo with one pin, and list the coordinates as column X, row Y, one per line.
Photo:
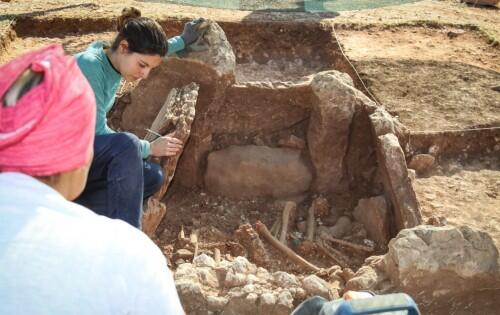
column 443, row 260
column 316, row 286
column 216, row 303
column 208, row 277
column 266, row 303
column 365, row 278
column 204, row 260
column 383, row 123
column 329, row 125
column 397, row 183
column 192, row 297
column 372, row 212
column 219, row 54
column 257, row 171
column 241, row 305
column 285, row 280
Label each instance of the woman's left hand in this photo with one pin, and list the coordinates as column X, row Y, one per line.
column 166, row 146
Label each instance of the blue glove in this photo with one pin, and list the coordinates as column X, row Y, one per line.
column 191, row 31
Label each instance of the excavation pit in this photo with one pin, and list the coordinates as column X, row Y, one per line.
column 273, row 108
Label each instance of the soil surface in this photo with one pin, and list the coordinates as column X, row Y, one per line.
column 464, row 194
column 432, row 79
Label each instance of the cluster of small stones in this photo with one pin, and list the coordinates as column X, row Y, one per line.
column 240, row 287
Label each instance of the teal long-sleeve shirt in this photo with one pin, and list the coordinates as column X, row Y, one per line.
column 105, row 81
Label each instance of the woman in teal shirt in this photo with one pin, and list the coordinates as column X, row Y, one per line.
column 120, row 176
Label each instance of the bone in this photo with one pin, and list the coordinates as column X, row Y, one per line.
column 311, row 223
column 352, row 245
column 264, row 232
column 290, row 207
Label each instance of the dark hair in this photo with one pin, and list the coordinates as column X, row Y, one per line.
column 144, row 35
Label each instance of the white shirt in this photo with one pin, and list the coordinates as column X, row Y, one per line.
column 57, row 257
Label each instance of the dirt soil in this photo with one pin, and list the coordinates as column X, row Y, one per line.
column 464, row 194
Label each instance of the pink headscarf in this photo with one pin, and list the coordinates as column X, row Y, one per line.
column 50, row 129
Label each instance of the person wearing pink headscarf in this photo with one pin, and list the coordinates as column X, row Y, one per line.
column 58, row 257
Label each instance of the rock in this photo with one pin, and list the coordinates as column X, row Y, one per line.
column 263, row 274
column 204, row 261
column 219, row 54
column 373, row 213
column 284, row 303
column 298, row 294
column 241, row 265
column 383, row 123
column 444, row 261
column 241, row 305
column 483, row 2
column 328, row 132
column 216, row 303
column 341, row 228
column 365, row 278
column 154, row 211
column 316, row 286
column 412, row 174
column 186, row 272
column 266, row 303
column 293, row 142
column 422, row 163
column 192, row 297
column 285, row 280
column 207, row 277
column 396, row 182
column 257, row 171
column 234, row 279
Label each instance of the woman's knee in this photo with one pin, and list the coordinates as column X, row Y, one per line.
column 153, row 178
column 128, row 143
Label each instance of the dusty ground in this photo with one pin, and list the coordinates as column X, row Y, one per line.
column 432, row 63
column 433, row 79
column 464, row 194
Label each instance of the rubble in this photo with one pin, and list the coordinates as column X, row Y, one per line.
column 245, row 289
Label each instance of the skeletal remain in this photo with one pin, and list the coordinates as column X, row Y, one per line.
column 341, row 258
column 276, row 227
column 217, row 255
column 311, row 223
column 249, row 238
column 193, row 238
column 264, row 232
column 352, row 245
column 328, row 254
column 290, row 207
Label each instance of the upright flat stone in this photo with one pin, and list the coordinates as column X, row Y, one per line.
column 329, row 126
column 372, row 212
column 257, row 171
column 397, row 184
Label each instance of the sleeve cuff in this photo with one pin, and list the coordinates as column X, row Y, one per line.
column 174, row 45
column 145, row 149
